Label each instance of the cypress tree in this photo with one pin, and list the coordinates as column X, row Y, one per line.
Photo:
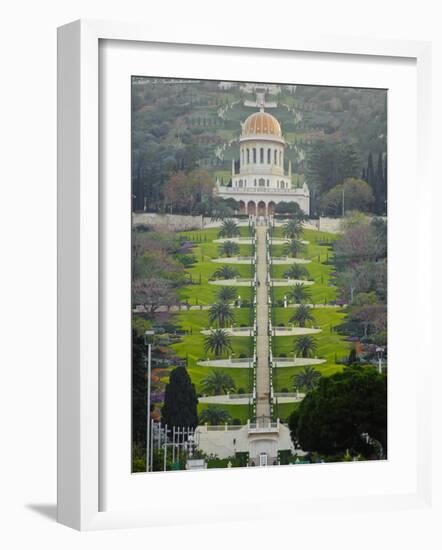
column 348, row 162
column 180, row 400
column 370, row 173
column 139, row 387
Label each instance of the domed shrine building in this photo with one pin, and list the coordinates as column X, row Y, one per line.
column 259, row 178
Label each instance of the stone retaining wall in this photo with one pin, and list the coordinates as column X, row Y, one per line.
column 176, row 222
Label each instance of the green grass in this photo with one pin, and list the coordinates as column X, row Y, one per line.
column 285, row 410
column 330, row 344
column 320, row 292
column 192, row 347
column 235, row 411
column 204, row 251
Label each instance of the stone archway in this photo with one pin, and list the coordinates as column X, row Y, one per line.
column 242, row 207
column 262, row 211
column 271, row 208
column 251, row 208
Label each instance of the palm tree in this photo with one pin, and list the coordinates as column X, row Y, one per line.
column 307, row 379
column 221, row 313
column 217, row 383
column 229, row 228
column 226, row 272
column 228, row 248
column 214, row 416
column 299, row 293
column 294, row 248
column 226, row 294
column 302, row 315
column 305, row 346
column 218, row 342
column 296, row 271
column 292, row 229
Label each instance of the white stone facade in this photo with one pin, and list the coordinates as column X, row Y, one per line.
column 261, row 182
column 225, row 441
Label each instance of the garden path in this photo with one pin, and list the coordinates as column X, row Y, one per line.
column 262, row 322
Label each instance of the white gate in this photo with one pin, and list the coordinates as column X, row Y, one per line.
column 263, row 459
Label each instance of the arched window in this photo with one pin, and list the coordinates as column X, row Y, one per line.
column 242, row 156
column 254, row 155
column 280, row 158
column 268, row 156
column 262, row 182
column 255, row 183
column 261, row 155
column 268, row 183
column 248, row 156
column 275, row 161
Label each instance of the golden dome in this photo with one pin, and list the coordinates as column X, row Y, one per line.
column 261, row 123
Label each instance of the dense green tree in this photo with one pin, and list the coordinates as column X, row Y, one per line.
column 353, row 194
column 180, row 400
column 302, row 315
column 222, row 208
column 292, row 209
column 222, row 314
column 217, row 342
column 329, row 162
column 305, row 346
column 217, row 383
column 139, row 389
column 371, row 177
column 347, row 410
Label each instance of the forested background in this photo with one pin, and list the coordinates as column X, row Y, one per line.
column 187, row 131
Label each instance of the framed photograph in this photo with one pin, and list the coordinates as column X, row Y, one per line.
column 233, row 276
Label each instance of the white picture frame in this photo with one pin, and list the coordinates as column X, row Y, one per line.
column 79, row 437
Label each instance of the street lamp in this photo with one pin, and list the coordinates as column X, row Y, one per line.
column 380, row 351
column 148, row 333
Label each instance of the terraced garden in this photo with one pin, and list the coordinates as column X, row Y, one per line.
column 330, row 345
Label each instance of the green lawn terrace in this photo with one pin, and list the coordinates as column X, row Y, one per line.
column 191, row 347
column 200, row 291
column 330, row 346
column 319, row 267
column 317, row 259
column 286, row 281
